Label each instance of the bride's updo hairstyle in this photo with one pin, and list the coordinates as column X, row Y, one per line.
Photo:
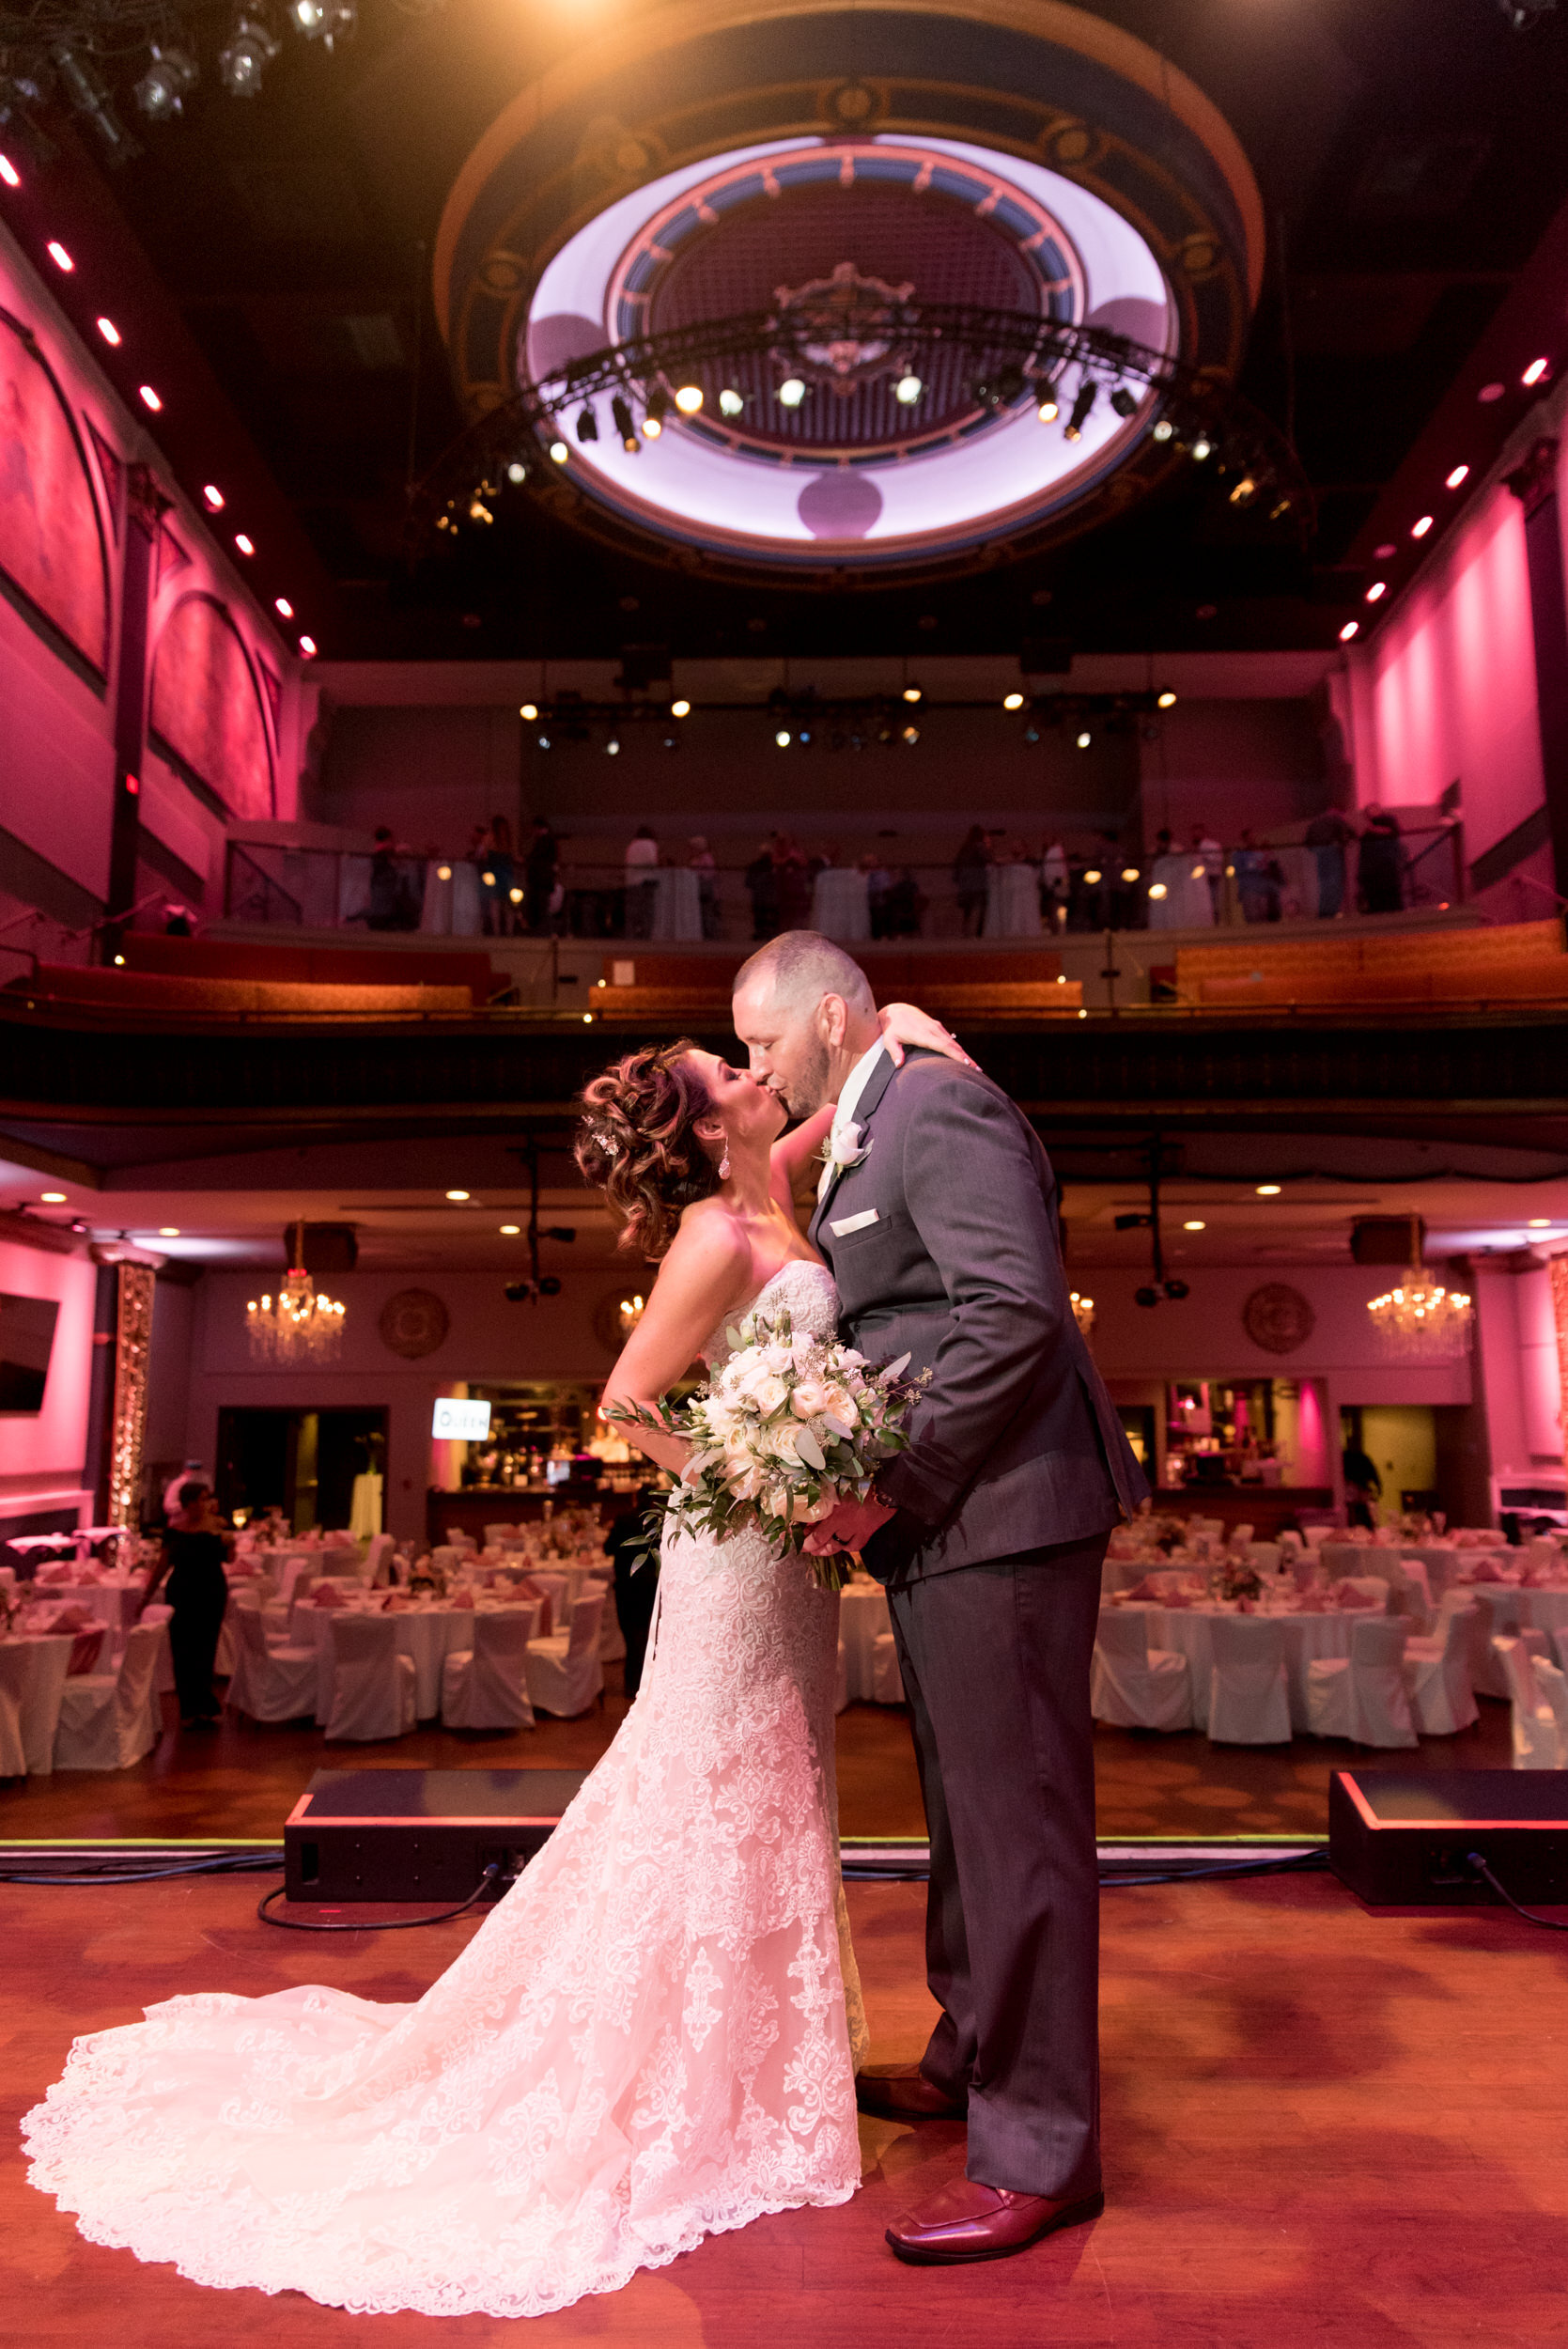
column 637, row 1143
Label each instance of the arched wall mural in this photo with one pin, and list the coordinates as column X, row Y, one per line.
column 207, row 706
column 52, row 546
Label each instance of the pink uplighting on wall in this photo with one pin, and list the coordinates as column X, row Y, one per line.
column 110, row 332
column 10, row 173
column 150, row 398
column 58, row 254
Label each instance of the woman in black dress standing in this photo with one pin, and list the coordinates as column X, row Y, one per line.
column 195, row 1548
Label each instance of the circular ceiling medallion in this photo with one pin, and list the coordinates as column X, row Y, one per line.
column 706, row 162
column 1277, row 1317
column 414, row 1324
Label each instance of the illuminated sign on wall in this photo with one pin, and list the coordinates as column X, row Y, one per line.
column 458, row 1420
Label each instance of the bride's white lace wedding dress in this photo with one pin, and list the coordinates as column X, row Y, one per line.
column 652, row 2037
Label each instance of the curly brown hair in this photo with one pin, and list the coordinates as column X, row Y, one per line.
column 638, row 1144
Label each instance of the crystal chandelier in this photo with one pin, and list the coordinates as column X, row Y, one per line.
column 301, row 1324
column 1420, row 1318
column 1083, row 1310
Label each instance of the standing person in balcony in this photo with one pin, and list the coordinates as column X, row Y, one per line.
column 642, row 863
column 1380, row 865
column 763, row 889
column 706, row 865
column 792, row 880
column 971, row 875
column 1209, row 852
column 1329, row 835
column 1054, row 883
column 495, row 878
column 539, row 871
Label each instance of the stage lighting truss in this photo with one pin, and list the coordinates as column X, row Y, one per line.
column 807, row 720
column 1058, row 367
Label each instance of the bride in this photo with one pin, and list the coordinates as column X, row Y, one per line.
column 654, row 2036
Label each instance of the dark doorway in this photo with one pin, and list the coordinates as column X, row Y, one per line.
column 303, row 1462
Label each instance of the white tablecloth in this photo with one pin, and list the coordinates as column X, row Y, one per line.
column 1442, row 1559
column 48, row 1656
column 1013, row 902
column 428, row 1638
column 862, row 1614
column 677, row 903
column 1307, row 1638
column 840, row 905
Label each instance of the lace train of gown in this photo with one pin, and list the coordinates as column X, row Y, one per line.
column 651, row 2038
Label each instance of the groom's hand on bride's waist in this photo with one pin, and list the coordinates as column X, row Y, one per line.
column 850, row 1527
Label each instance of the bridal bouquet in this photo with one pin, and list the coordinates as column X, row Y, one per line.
column 788, row 1427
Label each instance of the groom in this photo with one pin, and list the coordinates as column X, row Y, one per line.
column 937, row 1215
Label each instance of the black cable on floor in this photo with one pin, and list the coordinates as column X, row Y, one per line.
column 377, row 1925
column 111, row 1870
column 1548, row 1924
column 1296, row 1863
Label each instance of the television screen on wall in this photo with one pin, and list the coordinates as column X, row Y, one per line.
column 27, row 1335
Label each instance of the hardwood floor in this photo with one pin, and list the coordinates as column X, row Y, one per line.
column 243, row 1780
column 1324, row 2130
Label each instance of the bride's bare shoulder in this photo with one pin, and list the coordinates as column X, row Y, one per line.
column 712, row 1246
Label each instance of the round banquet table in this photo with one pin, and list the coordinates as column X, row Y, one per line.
column 1442, row 1559
column 677, row 903
column 115, row 1604
column 39, row 1685
column 862, row 1614
column 841, row 903
column 1307, row 1638
column 427, row 1636
column 1013, row 902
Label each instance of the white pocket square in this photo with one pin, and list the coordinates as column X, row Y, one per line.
column 854, row 1223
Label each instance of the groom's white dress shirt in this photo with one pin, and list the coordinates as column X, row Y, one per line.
column 844, row 1115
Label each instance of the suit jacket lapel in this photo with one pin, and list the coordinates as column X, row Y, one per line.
column 865, row 1108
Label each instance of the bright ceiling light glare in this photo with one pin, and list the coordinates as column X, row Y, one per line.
column 1167, row 700
column 510, row 1231
column 907, row 390
column 58, row 254
column 1094, row 876
column 1158, row 891
column 912, row 692
column 10, row 173
column 246, row 546
column 529, row 711
column 680, row 710
column 110, row 332
column 1048, row 411
column 1130, row 872
column 282, row 606
column 516, row 472
column 308, row 647
column 1164, row 429
column 1420, row 528
column 1460, row 475
column 149, row 398
column 1269, row 1190
column 213, row 498
column 1377, row 592
column 1084, row 741
column 782, row 738
column 731, row 402
column 168, row 1231
column 1537, row 1223
column 53, row 1198
column 912, row 734
column 791, row 392
column 652, row 427
column 688, row 399
column 1533, row 373
column 559, row 452
column 1202, row 447
column 612, row 748
column 1351, row 628
column 458, row 1196
column 1012, row 701
column 1194, row 1223
column 444, row 872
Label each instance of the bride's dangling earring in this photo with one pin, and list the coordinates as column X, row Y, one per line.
column 725, row 1165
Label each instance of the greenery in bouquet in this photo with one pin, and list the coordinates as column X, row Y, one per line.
column 787, row 1428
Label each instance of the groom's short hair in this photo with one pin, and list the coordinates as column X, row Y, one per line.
column 800, row 966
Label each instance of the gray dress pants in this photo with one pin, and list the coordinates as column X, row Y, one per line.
column 995, row 1660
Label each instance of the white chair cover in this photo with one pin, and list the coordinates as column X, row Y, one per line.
column 887, row 1681
column 13, row 1680
column 108, row 1721
column 1132, row 1685
column 564, row 1675
column 373, row 1686
column 1437, row 1670
column 1537, row 1739
column 1553, row 1684
column 482, row 1686
column 1412, row 1594
column 1249, row 1699
column 161, row 1616
column 1372, row 1586
column 1499, row 1614
column 496, row 1536
column 1362, row 1696
column 271, row 1684
column 378, row 1561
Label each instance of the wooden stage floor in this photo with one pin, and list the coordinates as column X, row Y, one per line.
column 243, row 1780
column 1324, row 2130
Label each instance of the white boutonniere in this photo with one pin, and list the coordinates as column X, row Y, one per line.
column 842, row 1149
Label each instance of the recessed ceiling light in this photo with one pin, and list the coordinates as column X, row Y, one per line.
column 458, row 1194
column 214, row 498
column 1378, row 589
column 1459, row 475
column 680, row 710
column 1269, row 1190
column 1195, row 1224
column 110, row 332
column 246, row 546
column 168, row 1231
column 1419, row 529
column 149, row 399
column 510, row 1231
column 53, row 1198
column 1012, row 701
column 1166, row 699
column 10, row 173
column 1351, row 628
column 58, row 254
column 1533, row 373
column 282, row 606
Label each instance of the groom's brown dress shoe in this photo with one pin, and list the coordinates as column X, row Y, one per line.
column 967, row 2220
column 901, row 2092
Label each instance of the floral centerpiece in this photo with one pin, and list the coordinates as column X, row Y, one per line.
column 788, row 1428
column 1234, row 1578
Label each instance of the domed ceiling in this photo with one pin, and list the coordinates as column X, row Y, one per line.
column 837, row 173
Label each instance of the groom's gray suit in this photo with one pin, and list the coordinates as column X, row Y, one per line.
column 943, row 1242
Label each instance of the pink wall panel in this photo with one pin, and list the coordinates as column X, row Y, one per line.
column 1447, row 693
column 207, row 705
column 41, row 1457
column 50, row 537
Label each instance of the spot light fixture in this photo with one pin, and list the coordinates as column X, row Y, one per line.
column 1164, row 429
column 907, row 390
column 10, row 173
column 1125, row 400
column 213, row 498
column 245, row 545
column 688, row 399
column 1084, row 739
column 1195, row 1224
column 1203, row 448
column 1270, row 1190
column 559, row 452
column 1012, row 701
column 1167, row 700
column 792, row 391
column 587, row 423
column 1533, row 373
column 731, row 402
column 625, row 425
column 149, row 398
column 1130, row 872
column 1049, row 412
column 58, row 254
column 1351, row 628
column 1087, row 392
column 529, row 711
column 1377, row 592
column 243, row 60
column 912, row 693
column 680, row 710
column 457, row 1197
column 783, row 738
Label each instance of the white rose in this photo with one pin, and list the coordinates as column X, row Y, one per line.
column 781, row 1443
column 744, row 1480
column 842, row 1404
column 770, row 1392
column 810, row 1399
column 778, row 1356
column 813, row 1512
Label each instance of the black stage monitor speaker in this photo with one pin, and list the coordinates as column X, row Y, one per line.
column 1400, row 1839
column 418, row 1835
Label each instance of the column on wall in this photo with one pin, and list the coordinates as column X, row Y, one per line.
column 1534, row 484
column 145, row 506
column 128, row 1422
